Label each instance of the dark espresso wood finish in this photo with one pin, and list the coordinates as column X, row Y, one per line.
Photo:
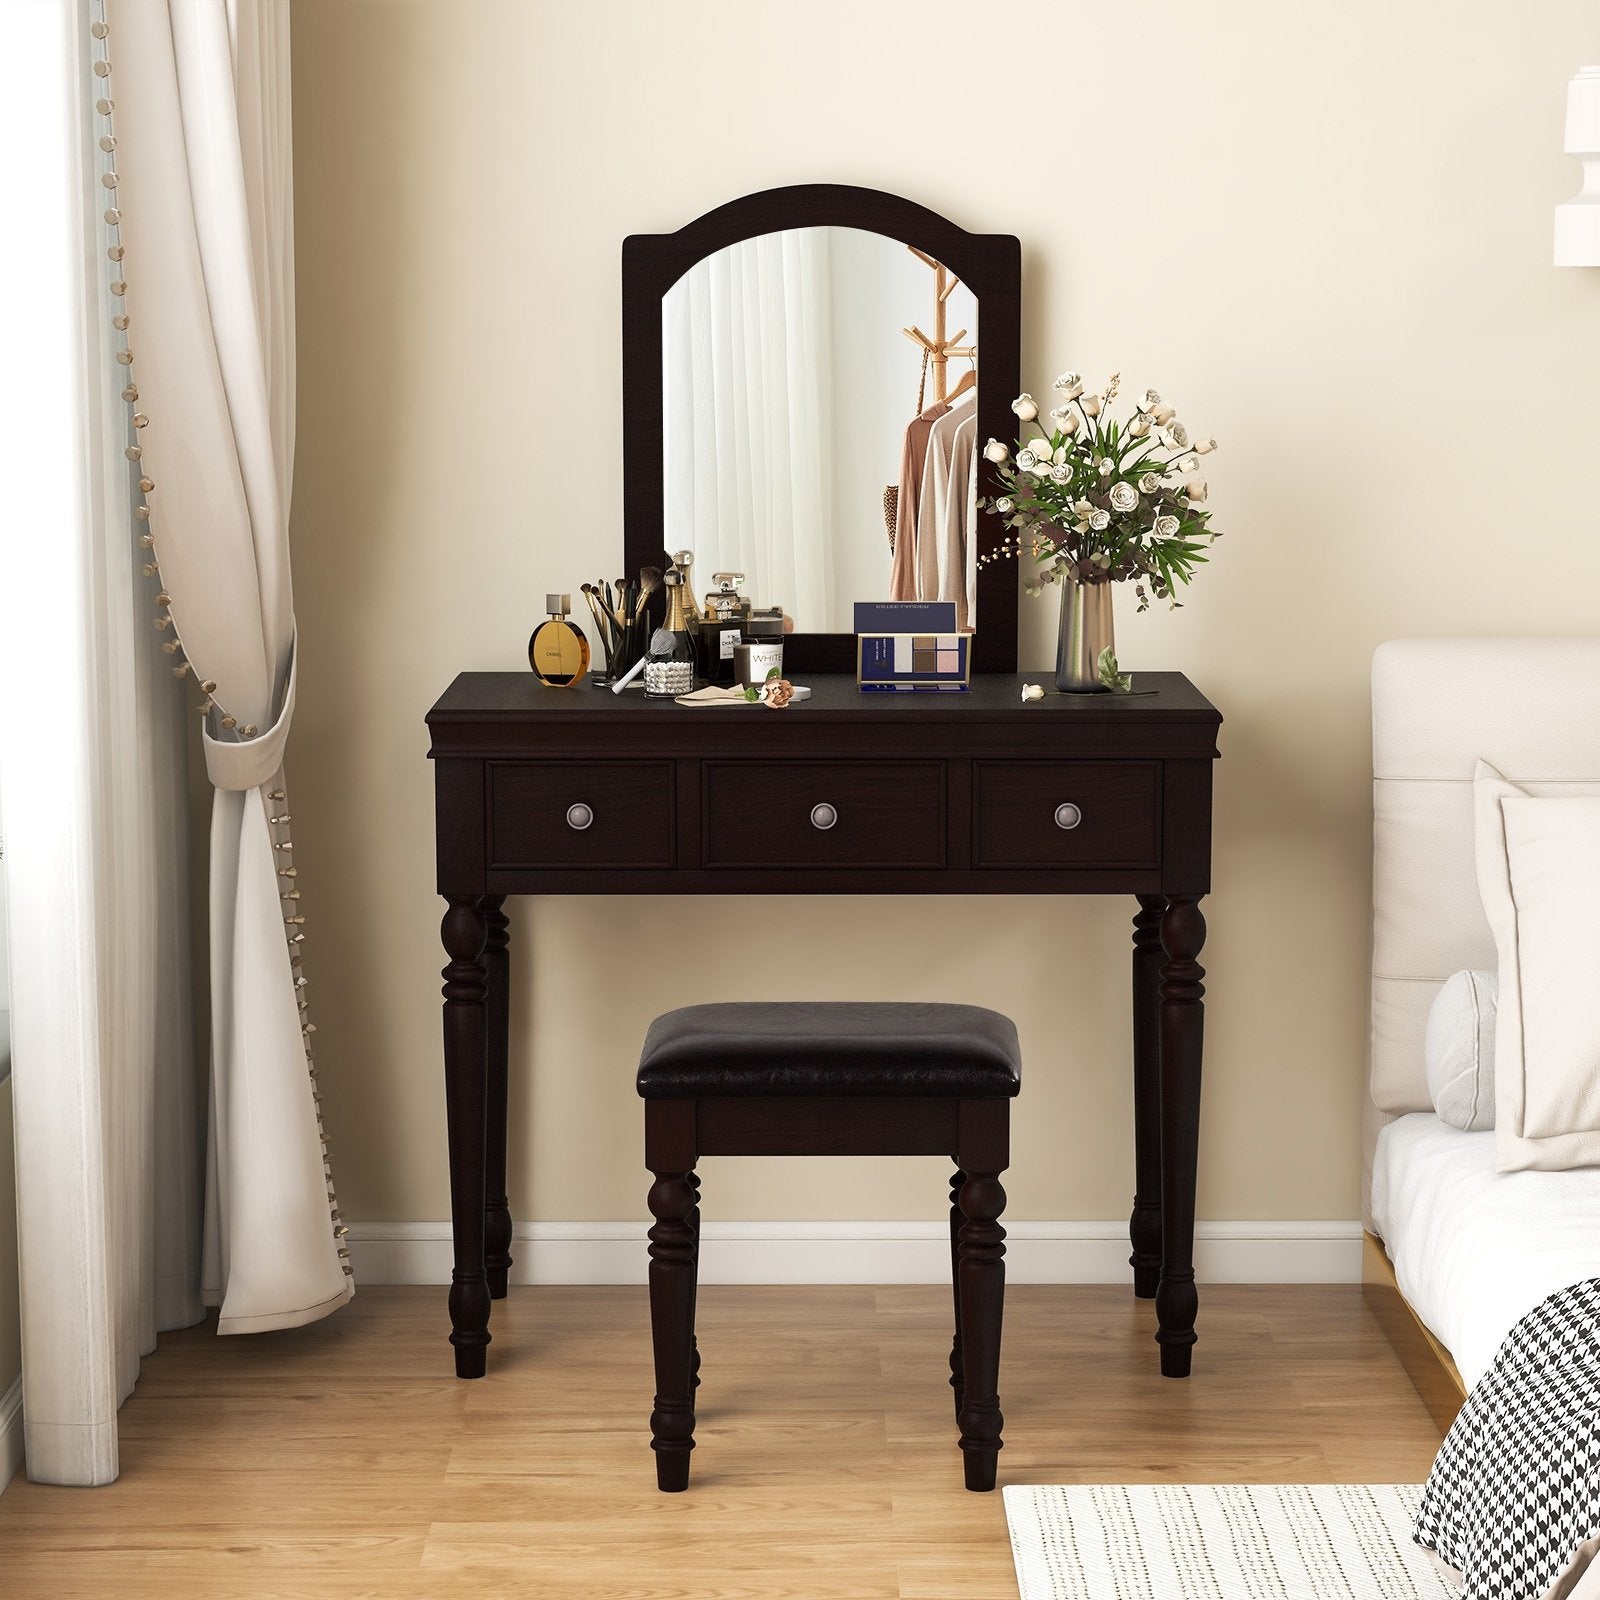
column 720, row 801
column 1144, row 1226
column 974, row 1133
column 990, row 264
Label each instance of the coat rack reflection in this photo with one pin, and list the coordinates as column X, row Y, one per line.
column 941, row 347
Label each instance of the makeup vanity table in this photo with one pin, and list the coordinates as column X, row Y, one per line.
column 847, row 793
column 576, row 790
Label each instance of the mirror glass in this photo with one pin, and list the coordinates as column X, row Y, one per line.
column 819, row 417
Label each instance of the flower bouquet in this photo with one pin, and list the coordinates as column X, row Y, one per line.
column 1095, row 502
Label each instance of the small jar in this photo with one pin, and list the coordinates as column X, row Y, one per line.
column 760, row 655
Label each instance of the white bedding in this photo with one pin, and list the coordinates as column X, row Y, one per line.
column 1475, row 1250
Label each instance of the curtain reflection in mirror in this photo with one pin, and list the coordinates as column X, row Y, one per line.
column 749, row 435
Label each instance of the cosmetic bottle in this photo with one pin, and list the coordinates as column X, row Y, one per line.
column 725, row 601
column 669, row 666
column 722, row 629
column 558, row 652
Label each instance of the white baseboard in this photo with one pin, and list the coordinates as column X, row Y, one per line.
column 10, row 1432
column 864, row 1252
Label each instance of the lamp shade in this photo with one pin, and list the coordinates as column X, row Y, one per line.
column 1578, row 219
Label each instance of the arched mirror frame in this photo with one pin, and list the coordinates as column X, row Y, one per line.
column 990, row 264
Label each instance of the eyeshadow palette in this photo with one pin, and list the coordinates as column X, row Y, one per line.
column 912, row 660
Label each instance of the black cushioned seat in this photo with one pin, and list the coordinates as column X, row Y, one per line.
column 830, row 1047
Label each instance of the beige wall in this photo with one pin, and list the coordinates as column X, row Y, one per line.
column 1325, row 231
column 10, row 1321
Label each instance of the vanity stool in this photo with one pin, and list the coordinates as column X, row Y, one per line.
column 829, row 1078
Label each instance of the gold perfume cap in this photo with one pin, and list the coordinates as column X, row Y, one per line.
column 558, row 605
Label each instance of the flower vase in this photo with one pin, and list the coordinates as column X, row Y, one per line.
column 1086, row 630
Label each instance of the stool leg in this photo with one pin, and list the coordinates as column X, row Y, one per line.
column 956, row 1182
column 694, row 1338
column 981, row 1287
column 672, row 1294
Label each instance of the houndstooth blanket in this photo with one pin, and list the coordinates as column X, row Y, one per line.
column 1515, row 1491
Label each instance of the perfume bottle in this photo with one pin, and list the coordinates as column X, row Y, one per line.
column 721, row 627
column 669, row 664
column 558, row 652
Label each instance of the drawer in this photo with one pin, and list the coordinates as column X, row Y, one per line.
column 600, row 814
column 824, row 814
column 1067, row 814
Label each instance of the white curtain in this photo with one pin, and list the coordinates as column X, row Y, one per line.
column 747, row 398
column 107, row 1100
column 201, row 92
column 188, row 102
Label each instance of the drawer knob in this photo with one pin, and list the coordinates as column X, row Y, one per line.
column 1068, row 815
column 823, row 815
column 579, row 816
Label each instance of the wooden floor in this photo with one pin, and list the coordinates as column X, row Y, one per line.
column 343, row 1460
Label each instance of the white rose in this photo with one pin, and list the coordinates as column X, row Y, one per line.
column 1205, row 447
column 1032, row 691
column 1091, row 405
column 1150, row 483
column 1070, row 384
column 1195, row 489
column 1099, row 520
column 1165, row 527
column 1082, row 508
column 1005, row 506
column 1061, row 474
column 1149, row 400
column 1124, row 497
column 1177, row 435
column 1188, row 464
column 1104, row 467
column 1162, row 415
column 1026, row 460
column 1025, row 407
column 1139, row 427
column 995, row 451
column 1070, row 424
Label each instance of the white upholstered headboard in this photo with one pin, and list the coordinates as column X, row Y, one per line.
column 1531, row 707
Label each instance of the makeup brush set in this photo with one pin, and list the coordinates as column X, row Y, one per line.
column 625, row 614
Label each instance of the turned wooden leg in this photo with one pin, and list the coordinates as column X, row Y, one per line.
column 694, row 1338
column 497, row 1211
column 956, row 1182
column 672, row 1295
column 1144, row 1226
column 1183, row 934
column 981, row 1279
column 463, row 932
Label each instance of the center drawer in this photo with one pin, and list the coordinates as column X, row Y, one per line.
column 1067, row 814
column 824, row 814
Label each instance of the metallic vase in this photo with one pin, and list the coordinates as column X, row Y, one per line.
column 1086, row 630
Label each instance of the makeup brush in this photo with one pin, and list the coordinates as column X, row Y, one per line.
column 597, row 599
column 594, row 611
column 650, row 585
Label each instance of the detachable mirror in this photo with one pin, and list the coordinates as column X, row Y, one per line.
column 811, row 375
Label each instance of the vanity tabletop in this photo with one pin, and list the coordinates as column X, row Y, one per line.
column 477, row 697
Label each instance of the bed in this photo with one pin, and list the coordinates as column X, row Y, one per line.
column 1456, row 1253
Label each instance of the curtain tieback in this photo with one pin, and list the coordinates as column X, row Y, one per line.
column 252, row 763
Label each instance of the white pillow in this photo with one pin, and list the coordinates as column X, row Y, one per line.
column 1458, row 1051
column 1538, row 862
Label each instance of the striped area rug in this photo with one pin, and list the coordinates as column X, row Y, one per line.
column 1289, row 1541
